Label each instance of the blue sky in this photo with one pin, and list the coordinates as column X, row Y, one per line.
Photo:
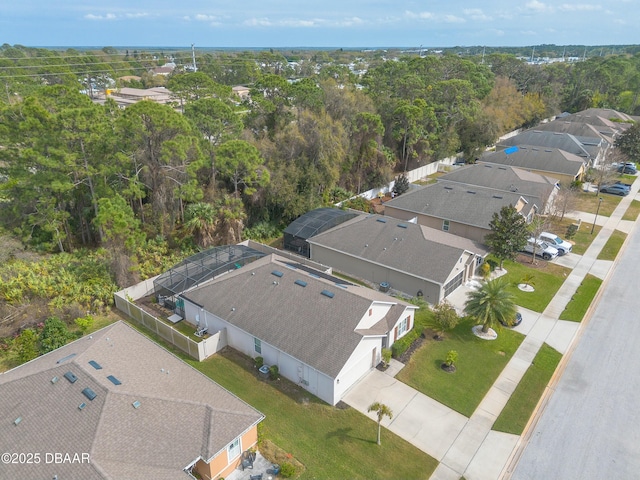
column 328, row 23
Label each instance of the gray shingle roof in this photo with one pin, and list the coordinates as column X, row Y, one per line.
column 300, row 321
column 541, row 138
column 183, row 415
column 552, row 160
column 466, row 204
column 582, row 131
column 503, row 178
column 409, row 249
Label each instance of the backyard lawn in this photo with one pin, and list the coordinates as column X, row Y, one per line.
column 518, row 410
column 613, row 246
column 478, row 366
column 547, row 279
column 331, row 442
column 581, row 300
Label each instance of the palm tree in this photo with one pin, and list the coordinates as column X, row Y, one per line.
column 383, row 411
column 491, row 304
column 201, row 223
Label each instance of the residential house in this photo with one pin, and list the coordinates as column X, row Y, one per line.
column 585, row 133
column 553, row 162
column 414, row 259
column 323, row 333
column 126, row 96
column 120, row 406
column 241, row 91
column 592, row 150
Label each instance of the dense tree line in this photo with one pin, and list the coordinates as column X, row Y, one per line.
column 196, row 172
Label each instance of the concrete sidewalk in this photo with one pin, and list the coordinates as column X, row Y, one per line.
column 467, row 446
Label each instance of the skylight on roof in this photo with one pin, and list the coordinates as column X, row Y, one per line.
column 327, row 293
column 302, row 283
column 90, row 394
column 71, row 377
column 402, row 225
column 81, row 406
column 136, row 404
column 114, row 380
column 381, row 220
column 277, row 273
column 68, row 357
column 95, row 364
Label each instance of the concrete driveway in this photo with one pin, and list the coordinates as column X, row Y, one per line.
column 420, row 420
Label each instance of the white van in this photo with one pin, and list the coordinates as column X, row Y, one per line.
column 555, row 241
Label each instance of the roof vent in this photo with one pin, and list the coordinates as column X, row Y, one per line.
column 90, row 394
column 71, row 377
column 17, row 420
column 381, row 220
column 448, row 188
column 277, row 273
column 302, row 283
column 497, row 196
column 136, row 404
column 327, row 293
column 95, row 364
column 402, row 225
column 471, row 192
column 81, row 406
column 54, row 380
column 502, row 168
column 114, row 380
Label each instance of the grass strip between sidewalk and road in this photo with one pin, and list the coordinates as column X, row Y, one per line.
column 581, row 300
column 613, row 246
column 633, row 211
column 523, row 401
column 479, row 364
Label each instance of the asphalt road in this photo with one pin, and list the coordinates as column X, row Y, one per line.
column 590, row 428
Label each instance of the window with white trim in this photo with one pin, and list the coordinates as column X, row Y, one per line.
column 445, row 225
column 402, row 327
column 257, row 345
column 233, row 451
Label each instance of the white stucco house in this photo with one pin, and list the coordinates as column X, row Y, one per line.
column 322, row 332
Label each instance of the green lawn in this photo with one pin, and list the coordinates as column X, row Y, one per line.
column 479, row 365
column 518, row 410
column 633, row 211
column 613, row 246
column 330, row 442
column 588, row 202
column 582, row 238
column 546, row 280
column 580, row 301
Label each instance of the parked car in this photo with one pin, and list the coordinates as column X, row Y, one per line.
column 625, row 185
column 514, row 323
column 615, row 189
column 555, row 241
column 628, row 167
column 542, row 249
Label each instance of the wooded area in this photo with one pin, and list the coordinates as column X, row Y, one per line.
column 211, row 169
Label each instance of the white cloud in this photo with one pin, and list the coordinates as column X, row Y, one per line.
column 258, row 22
column 476, row 14
column 453, row 19
column 421, row 15
column 136, row 15
column 108, row 16
column 538, row 7
column 205, row 18
column 566, row 7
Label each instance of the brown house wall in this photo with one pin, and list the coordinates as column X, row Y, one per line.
column 219, row 466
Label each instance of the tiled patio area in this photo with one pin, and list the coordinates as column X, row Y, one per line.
column 260, row 466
